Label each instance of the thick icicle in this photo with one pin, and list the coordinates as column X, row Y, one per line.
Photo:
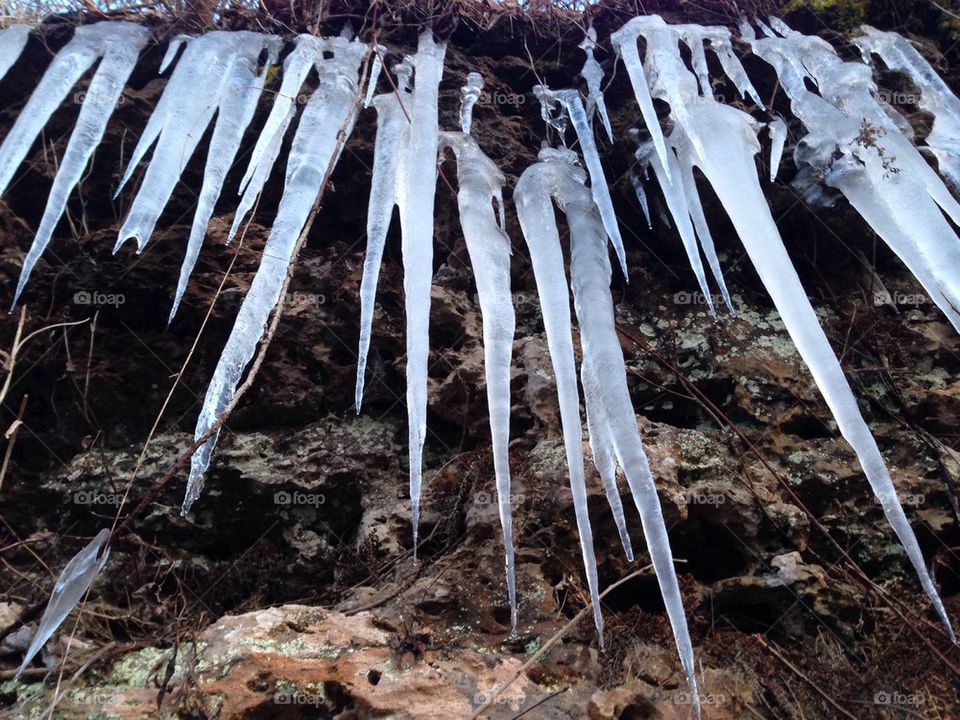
column 730, row 167
column 13, row 39
column 416, row 187
column 570, row 99
column 69, row 65
column 480, row 181
column 778, row 138
column 119, row 44
column 590, row 281
column 592, row 74
column 306, row 54
column 625, row 41
column 326, row 121
column 71, row 586
column 538, row 222
column 936, row 97
column 609, row 411
column 214, row 62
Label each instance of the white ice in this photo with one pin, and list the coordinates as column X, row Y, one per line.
column 13, row 39
column 118, row 44
column 592, row 74
column 571, row 102
column 936, row 97
column 416, row 187
column 219, row 62
column 68, row 591
column 609, row 411
column 471, row 93
column 480, row 182
column 326, row 122
column 778, row 138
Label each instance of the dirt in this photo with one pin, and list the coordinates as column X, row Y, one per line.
column 290, row 590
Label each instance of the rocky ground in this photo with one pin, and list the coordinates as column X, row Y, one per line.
column 290, row 591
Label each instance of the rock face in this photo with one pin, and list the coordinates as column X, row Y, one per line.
column 289, row 591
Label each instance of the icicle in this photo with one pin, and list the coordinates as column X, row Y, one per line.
column 731, row 170
column 471, row 93
column 699, row 220
column 375, row 69
column 69, row 65
column 601, row 445
column 326, row 121
column 778, row 138
column 677, row 204
column 173, row 47
column 13, row 39
column 480, row 182
column 238, row 101
column 570, row 99
column 592, row 74
column 306, row 54
column 853, row 144
column 211, row 62
column 416, row 187
column 71, row 586
column 119, row 44
column 392, row 136
column 936, row 97
column 625, row 41
column 535, row 212
column 609, row 411
column 637, row 184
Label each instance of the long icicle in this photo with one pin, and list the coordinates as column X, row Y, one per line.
column 120, row 44
column 416, row 187
column 326, row 123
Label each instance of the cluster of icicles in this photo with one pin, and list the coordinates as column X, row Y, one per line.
column 905, row 205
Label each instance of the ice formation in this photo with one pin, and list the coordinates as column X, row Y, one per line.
column 13, row 39
column 306, row 55
column 592, row 74
column 326, row 122
column 480, row 187
column 71, row 586
column 405, row 174
column 722, row 141
column 118, row 44
column 936, row 97
column 573, row 105
column 225, row 65
column 856, row 145
column 614, row 435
